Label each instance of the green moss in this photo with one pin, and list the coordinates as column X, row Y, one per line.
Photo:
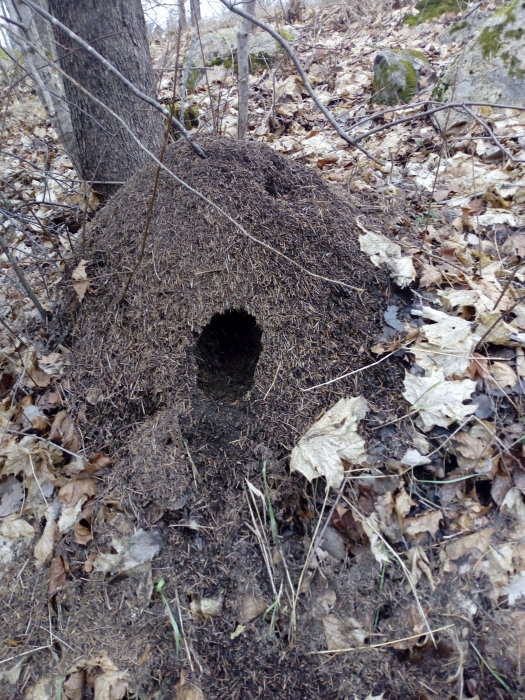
column 432, row 9
column 384, row 77
column 257, row 61
column 191, row 116
column 514, row 65
column 416, row 54
column 458, row 26
column 286, row 34
column 492, row 39
column 194, row 76
column 438, row 93
column 514, row 33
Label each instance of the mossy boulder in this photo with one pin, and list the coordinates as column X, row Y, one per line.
column 427, row 10
column 220, row 48
column 396, row 74
column 490, row 69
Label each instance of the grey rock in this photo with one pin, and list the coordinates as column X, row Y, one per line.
column 490, row 69
column 396, row 74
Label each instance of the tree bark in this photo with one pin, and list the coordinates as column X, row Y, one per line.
column 181, row 5
column 107, row 153
column 243, row 69
column 37, row 45
column 195, row 11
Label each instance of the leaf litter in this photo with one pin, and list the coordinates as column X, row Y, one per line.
column 462, row 337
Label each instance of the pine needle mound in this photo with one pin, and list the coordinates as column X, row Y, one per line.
column 194, row 379
column 212, row 319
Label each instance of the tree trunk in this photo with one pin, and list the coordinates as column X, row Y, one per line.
column 195, row 8
column 243, row 69
column 37, row 45
column 181, row 5
column 108, row 155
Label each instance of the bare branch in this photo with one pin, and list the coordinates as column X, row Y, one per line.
column 44, row 315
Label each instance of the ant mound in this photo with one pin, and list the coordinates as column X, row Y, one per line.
column 195, row 358
column 191, row 313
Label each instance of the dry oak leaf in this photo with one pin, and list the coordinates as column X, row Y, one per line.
column 502, row 375
column 81, row 282
column 477, row 543
column 184, row 690
column 102, row 675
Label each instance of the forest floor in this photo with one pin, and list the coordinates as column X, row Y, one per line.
column 401, row 574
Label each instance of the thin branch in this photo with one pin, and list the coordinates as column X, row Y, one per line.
column 302, row 74
column 44, row 315
column 493, row 136
column 111, row 68
column 426, row 113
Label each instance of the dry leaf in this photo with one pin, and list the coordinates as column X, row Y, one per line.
column 184, row 690
column 377, row 546
column 77, row 489
column 100, row 461
column 132, row 551
column 57, row 575
column 13, row 527
column 438, row 401
column 430, row 276
column 83, row 530
column 74, row 685
column 207, row 607
column 329, row 441
column 101, row 674
column 81, row 283
column 425, row 522
column 343, row 632
column 65, row 432
column 11, row 495
column 33, row 375
column 382, row 250
column 251, row 607
column 44, row 547
column 420, row 565
column 476, row 544
column 503, row 375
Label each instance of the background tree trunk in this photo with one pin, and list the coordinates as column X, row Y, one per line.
column 181, row 5
column 195, row 8
column 117, row 30
column 37, row 45
column 243, row 69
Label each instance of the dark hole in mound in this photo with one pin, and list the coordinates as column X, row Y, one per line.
column 227, row 352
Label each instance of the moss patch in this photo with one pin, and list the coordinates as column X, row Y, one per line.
column 286, row 34
column 191, row 116
column 458, row 26
column 397, row 81
column 432, row 9
column 257, row 61
column 493, row 39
